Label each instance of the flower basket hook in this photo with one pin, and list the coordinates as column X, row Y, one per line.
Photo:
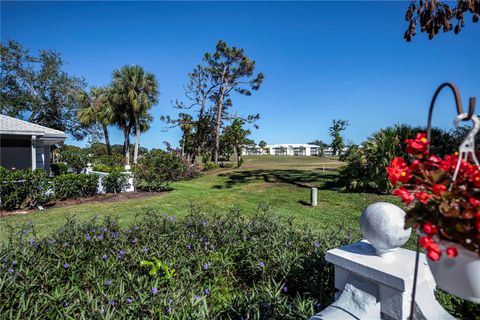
column 458, row 103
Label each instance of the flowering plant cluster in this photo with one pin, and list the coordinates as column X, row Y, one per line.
column 441, row 208
column 158, row 267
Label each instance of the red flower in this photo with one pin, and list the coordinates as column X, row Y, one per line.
column 403, row 194
column 476, row 179
column 433, row 250
column 452, row 252
column 438, row 188
column 423, row 197
column 417, row 145
column 425, row 241
column 415, row 165
column 448, row 163
column 434, row 255
column 398, row 171
column 474, row 202
column 430, row 229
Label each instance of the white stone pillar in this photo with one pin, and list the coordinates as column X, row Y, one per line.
column 34, row 152
column 375, row 276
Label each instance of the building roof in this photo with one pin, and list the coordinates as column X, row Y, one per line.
column 13, row 126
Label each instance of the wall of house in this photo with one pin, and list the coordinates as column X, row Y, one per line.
column 15, row 151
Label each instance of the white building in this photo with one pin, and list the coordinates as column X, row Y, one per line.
column 295, row 149
column 26, row 145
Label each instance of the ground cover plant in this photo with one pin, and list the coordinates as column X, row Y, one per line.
column 202, row 266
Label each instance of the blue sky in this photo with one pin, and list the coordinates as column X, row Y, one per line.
column 321, row 60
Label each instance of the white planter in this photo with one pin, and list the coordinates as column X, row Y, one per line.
column 459, row 276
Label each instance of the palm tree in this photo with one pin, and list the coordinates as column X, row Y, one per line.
column 95, row 109
column 136, row 92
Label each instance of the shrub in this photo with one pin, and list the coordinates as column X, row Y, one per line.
column 76, row 158
column 59, row 168
column 115, row 181
column 157, row 169
column 114, row 160
column 204, row 266
column 74, row 185
column 209, row 166
column 21, row 189
column 107, row 169
column 366, row 167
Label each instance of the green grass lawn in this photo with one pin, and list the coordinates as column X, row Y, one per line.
column 281, row 183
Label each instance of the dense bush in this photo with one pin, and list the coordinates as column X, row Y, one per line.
column 74, row 185
column 21, row 189
column 209, row 166
column 59, row 168
column 215, row 267
column 76, row 158
column 157, row 169
column 114, row 160
column 366, row 165
column 107, row 169
column 115, row 181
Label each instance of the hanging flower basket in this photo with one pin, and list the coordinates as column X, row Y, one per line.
column 459, row 276
column 443, row 199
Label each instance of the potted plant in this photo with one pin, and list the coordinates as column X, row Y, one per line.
column 444, row 208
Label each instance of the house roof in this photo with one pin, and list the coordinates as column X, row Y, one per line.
column 13, row 126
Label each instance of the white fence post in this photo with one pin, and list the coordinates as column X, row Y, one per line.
column 375, row 278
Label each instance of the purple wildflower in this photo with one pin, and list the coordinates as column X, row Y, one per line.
column 154, row 290
column 164, row 214
column 104, row 257
column 129, row 300
column 100, row 237
column 189, row 246
column 10, row 270
column 285, row 289
column 207, row 292
column 26, row 231
column 101, row 311
column 104, row 229
column 51, row 241
column 66, row 265
column 206, row 266
column 145, row 249
column 134, row 241
column 66, row 304
column 316, row 244
column 168, row 309
column 120, row 254
column 170, row 218
column 196, row 296
column 111, row 302
column 31, row 241
column 169, row 300
column 205, row 222
column 87, row 237
column 5, row 260
column 261, row 264
column 136, row 227
column 108, row 282
column 14, row 262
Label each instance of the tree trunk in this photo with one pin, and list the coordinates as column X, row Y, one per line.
column 137, row 140
column 237, row 156
column 196, row 149
column 107, row 139
column 126, row 146
column 219, row 125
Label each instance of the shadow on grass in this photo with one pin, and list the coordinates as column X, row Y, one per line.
column 301, row 178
